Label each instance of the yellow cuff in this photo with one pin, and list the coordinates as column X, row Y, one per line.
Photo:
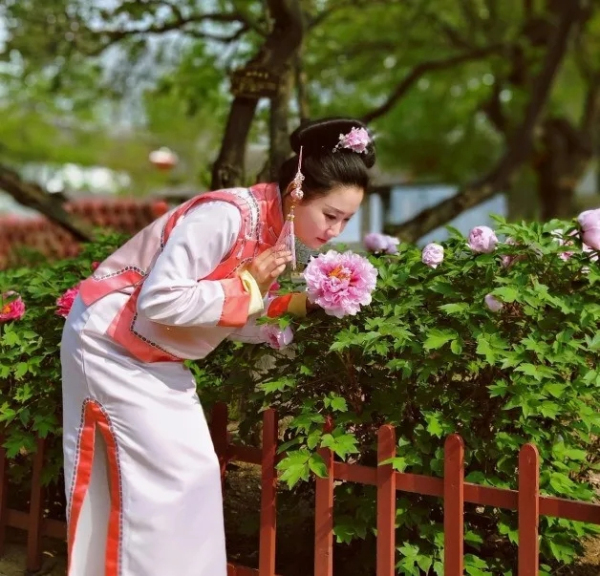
column 256, row 300
column 297, row 305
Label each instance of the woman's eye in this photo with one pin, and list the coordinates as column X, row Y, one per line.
column 330, row 216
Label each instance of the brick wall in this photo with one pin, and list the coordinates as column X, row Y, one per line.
column 38, row 233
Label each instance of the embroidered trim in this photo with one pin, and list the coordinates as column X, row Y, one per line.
column 118, row 272
column 77, row 454
column 149, row 342
column 103, row 424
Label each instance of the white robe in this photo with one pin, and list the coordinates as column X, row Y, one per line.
column 151, row 504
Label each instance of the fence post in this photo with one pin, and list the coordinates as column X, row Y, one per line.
column 3, row 496
column 386, row 502
column 454, row 499
column 218, row 431
column 324, row 518
column 268, row 499
column 34, row 529
column 529, row 510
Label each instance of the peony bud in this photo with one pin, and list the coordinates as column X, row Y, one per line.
column 375, row 242
column 432, row 255
column 482, row 239
column 493, row 304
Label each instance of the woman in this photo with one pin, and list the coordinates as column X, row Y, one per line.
column 142, row 478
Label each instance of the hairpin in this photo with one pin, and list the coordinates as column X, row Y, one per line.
column 356, row 140
column 287, row 237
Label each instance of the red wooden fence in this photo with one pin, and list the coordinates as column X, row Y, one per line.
column 452, row 488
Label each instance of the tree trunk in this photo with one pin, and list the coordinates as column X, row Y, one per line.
column 33, row 196
column 565, row 156
column 276, row 54
column 278, row 126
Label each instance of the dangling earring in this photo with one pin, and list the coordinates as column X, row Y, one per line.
column 287, row 238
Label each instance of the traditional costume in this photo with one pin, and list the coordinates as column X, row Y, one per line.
column 142, row 478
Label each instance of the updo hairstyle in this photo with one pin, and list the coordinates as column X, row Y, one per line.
column 322, row 166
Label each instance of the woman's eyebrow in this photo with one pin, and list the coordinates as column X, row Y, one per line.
column 334, row 209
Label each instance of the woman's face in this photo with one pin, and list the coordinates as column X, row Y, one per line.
column 321, row 219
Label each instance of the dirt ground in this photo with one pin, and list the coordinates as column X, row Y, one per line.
column 14, row 560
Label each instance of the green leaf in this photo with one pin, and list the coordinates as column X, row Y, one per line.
column 506, row 294
column 436, row 338
column 317, row 465
column 457, row 308
column 21, row 370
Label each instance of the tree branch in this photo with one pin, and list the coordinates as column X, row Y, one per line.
column 109, row 37
column 354, row 4
column 420, row 70
column 32, row 195
column 493, row 109
column 225, row 39
column 517, row 151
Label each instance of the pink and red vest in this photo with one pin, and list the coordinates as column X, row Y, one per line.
column 127, row 267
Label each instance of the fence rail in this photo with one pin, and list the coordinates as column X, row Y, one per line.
column 453, row 489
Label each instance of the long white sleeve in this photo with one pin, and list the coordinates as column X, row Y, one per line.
column 172, row 294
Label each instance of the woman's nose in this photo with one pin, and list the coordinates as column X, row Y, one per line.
column 335, row 230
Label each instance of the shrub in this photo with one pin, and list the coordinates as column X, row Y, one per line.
column 30, row 375
column 429, row 356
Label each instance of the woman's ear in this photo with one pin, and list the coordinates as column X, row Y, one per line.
column 289, row 188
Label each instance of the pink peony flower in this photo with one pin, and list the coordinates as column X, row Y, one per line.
column 65, row 302
column 482, row 239
column 356, row 140
column 275, row 337
column 375, row 242
column 95, row 265
column 493, row 304
column 592, row 238
column 432, row 255
column 340, row 283
column 589, row 220
column 12, row 307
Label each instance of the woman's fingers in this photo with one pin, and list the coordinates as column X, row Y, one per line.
column 269, row 265
column 277, row 272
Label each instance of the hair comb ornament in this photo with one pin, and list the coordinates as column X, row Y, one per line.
column 357, row 140
column 287, row 237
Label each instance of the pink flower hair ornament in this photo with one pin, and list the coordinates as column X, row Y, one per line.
column 357, row 140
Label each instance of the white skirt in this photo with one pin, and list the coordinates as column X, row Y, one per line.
column 142, row 478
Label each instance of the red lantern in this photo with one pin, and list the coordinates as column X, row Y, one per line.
column 163, row 158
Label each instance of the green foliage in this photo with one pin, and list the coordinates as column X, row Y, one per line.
column 427, row 356
column 30, row 376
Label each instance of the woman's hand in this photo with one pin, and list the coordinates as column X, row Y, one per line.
column 266, row 267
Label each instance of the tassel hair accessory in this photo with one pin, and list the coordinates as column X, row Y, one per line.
column 287, row 239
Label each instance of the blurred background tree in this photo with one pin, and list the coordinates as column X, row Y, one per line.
column 487, row 95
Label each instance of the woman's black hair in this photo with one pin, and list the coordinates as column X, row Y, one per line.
column 324, row 168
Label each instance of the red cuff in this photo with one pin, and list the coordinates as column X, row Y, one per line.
column 279, row 306
column 236, row 304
